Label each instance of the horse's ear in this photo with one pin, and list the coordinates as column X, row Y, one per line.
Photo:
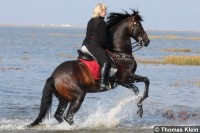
column 136, row 15
column 134, row 11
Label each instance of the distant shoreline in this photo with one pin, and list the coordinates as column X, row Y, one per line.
column 41, row 25
column 69, row 26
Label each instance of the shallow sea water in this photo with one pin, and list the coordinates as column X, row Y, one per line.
column 28, row 55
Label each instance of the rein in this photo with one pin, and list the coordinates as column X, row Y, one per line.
column 137, row 45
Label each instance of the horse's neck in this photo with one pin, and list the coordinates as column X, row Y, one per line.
column 121, row 40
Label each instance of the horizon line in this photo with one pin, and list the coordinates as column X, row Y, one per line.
column 73, row 26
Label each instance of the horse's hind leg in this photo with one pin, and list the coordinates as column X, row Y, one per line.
column 73, row 108
column 60, row 109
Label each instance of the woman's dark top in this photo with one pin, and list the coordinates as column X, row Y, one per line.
column 96, row 33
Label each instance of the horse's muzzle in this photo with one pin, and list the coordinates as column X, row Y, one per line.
column 147, row 43
column 145, row 40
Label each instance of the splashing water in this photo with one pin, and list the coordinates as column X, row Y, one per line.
column 107, row 120
column 96, row 120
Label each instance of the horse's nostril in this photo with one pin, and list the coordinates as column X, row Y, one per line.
column 147, row 43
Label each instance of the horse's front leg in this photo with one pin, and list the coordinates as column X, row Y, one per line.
column 134, row 79
column 130, row 84
column 138, row 78
column 134, row 88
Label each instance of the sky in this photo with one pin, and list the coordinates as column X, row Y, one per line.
column 157, row 14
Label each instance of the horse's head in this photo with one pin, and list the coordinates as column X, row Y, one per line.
column 122, row 26
column 136, row 30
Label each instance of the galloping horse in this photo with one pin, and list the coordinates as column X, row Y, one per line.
column 71, row 80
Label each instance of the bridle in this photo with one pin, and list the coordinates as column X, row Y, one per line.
column 136, row 34
column 140, row 43
column 137, row 45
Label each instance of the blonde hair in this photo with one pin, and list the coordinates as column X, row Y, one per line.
column 98, row 9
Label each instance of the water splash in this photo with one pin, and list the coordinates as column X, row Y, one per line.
column 95, row 120
column 14, row 124
column 105, row 119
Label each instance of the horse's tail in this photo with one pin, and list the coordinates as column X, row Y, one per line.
column 46, row 101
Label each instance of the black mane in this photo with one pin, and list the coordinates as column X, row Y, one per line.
column 114, row 18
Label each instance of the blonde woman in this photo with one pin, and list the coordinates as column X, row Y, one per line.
column 96, row 42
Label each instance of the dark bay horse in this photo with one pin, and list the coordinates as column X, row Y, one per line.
column 71, row 80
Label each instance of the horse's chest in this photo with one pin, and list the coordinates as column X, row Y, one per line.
column 126, row 68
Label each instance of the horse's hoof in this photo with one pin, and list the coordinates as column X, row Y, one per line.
column 140, row 113
column 58, row 118
column 29, row 126
column 69, row 121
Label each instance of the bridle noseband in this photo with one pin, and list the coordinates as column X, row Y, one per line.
column 140, row 43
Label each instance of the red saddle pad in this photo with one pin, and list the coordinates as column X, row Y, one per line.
column 93, row 67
